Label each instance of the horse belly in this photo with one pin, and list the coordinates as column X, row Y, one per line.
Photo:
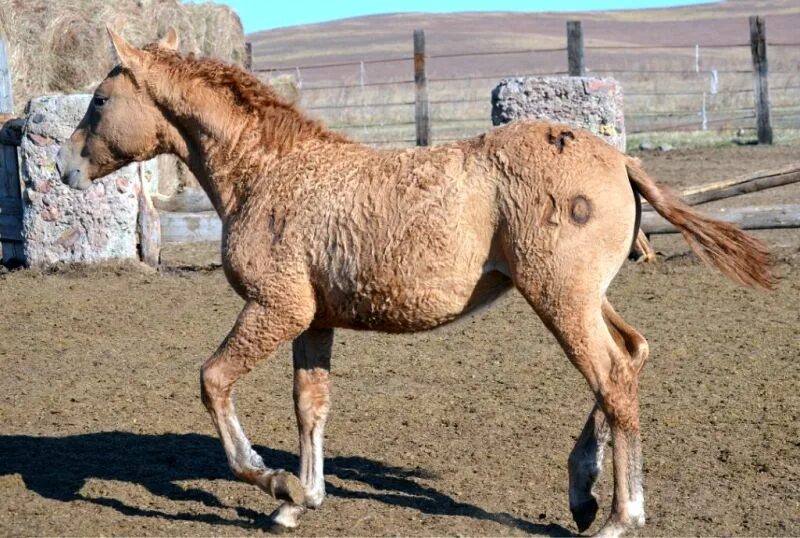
column 416, row 265
column 412, row 305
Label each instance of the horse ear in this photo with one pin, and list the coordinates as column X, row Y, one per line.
column 170, row 39
column 129, row 56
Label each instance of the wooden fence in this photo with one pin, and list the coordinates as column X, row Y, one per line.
column 684, row 87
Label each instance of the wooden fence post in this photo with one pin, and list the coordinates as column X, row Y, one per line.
column 248, row 56
column 11, row 247
column 575, row 60
column 758, row 49
column 421, row 113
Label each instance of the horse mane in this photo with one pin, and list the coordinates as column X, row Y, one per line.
column 286, row 123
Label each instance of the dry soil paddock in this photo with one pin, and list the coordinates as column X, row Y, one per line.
column 465, row 430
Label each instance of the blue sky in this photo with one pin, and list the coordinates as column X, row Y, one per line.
column 263, row 15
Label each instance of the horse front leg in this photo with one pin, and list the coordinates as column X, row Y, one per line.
column 311, row 353
column 258, row 331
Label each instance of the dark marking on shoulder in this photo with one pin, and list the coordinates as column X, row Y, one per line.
column 560, row 140
column 580, row 210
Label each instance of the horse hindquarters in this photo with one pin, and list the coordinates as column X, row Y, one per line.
column 578, row 236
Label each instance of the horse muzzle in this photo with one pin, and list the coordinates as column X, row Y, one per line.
column 72, row 168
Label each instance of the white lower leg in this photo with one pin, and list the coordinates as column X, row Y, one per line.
column 245, row 462
column 242, row 458
column 628, row 508
column 635, row 509
column 311, row 407
column 634, row 504
column 315, row 485
column 311, row 353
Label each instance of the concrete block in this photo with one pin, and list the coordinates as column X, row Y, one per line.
column 64, row 225
column 594, row 104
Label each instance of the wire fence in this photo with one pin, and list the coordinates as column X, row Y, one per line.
column 673, row 87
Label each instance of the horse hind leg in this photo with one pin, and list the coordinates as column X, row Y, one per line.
column 609, row 354
column 586, row 458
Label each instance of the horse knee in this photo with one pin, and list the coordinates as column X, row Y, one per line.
column 214, row 384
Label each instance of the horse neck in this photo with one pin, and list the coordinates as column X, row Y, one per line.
column 226, row 147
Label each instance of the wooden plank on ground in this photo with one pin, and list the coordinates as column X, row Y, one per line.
column 747, row 218
column 758, row 181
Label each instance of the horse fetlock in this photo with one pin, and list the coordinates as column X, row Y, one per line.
column 618, row 525
column 314, row 497
column 634, row 512
column 284, row 486
column 612, row 529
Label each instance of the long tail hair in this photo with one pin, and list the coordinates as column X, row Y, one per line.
column 740, row 257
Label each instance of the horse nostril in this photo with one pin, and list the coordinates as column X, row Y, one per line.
column 72, row 179
column 63, row 159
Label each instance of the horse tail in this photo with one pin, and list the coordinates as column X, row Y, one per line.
column 740, row 257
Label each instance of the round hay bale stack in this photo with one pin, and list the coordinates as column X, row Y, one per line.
column 63, row 47
column 217, row 31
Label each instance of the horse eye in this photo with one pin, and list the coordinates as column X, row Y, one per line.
column 99, row 101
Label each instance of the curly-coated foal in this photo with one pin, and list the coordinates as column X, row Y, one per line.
column 321, row 232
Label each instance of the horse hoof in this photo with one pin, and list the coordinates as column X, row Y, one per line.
column 277, row 528
column 287, row 487
column 584, row 514
column 285, row 518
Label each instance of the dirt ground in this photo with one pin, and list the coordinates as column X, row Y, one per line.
column 460, row 431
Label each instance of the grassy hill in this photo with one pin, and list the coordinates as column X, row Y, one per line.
column 378, row 36
column 389, row 36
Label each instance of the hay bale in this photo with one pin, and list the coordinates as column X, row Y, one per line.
column 217, row 31
column 63, row 47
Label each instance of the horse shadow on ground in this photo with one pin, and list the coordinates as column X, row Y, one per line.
column 58, row 467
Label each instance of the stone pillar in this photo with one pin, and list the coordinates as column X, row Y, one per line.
column 594, row 104
column 62, row 225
